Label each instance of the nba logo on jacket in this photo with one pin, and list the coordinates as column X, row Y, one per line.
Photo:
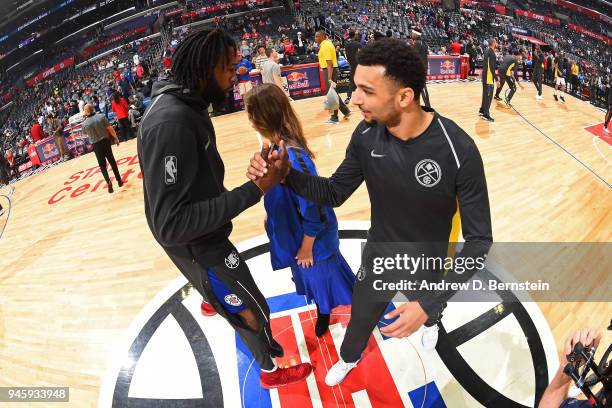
column 170, row 169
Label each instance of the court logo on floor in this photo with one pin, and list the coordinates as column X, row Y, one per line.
column 174, row 356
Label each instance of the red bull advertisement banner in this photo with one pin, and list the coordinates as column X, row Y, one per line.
column 302, row 80
column 443, row 67
column 48, row 151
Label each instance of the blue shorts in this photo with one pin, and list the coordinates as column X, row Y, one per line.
column 230, row 301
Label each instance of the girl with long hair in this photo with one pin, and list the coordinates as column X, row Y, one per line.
column 303, row 236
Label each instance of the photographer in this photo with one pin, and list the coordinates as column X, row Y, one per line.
column 556, row 394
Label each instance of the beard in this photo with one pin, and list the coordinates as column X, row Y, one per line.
column 214, row 94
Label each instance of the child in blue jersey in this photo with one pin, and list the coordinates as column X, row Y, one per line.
column 303, row 236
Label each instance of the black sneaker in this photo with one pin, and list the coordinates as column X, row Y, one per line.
column 488, row 118
column 562, row 98
column 110, row 188
column 508, row 103
column 347, row 100
column 556, row 99
column 497, row 98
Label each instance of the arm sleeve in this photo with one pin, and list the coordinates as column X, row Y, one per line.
column 176, row 218
column 309, row 211
column 333, row 191
column 475, row 222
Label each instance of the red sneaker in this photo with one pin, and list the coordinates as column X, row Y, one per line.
column 285, row 376
column 207, row 309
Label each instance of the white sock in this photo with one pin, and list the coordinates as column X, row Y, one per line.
column 272, row 370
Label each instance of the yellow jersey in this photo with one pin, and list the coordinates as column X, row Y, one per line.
column 327, row 52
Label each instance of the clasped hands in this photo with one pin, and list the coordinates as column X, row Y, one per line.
column 269, row 167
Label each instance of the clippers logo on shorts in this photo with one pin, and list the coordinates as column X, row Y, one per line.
column 233, row 300
column 232, row 260
column 427, row 173
column 170, row 169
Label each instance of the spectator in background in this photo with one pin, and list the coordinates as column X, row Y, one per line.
column 121, row 109
column 57, row 128
column 80, row 102
column 242, row 74
column 167, row 62
column 245, row 50
column 140, row 72
column 299, row 44
column 455, row 48
column 37, row 132
column 270, row 71
column 261, row 57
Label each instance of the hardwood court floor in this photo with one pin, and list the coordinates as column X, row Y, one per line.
column 75, row 273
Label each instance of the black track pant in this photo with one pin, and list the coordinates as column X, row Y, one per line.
column 487, row 98
column 537, row 81
column 352, row 85
column 367, row 310
column 511, row 84
column 335, row 74
column 104, row 152
column 608, row 115
column 233, row 271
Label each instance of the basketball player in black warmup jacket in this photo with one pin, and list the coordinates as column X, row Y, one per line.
column 508, row 74
column 538, row 71
column 609, row 112
column 489, row 78
column 439, row 167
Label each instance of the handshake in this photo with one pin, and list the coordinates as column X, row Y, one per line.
column 269, row 167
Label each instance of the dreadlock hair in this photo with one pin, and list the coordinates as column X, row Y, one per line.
column 198, row 54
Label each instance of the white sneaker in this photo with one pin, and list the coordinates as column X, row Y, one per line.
column 429, row 339
column 606, row 130
column 338, row 372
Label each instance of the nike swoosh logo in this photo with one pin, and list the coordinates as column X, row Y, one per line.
column 376, row 155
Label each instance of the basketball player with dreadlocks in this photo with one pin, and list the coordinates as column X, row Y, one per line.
column 508, row 74
column 559, row 69
column 189, row 210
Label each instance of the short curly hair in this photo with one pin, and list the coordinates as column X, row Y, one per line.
column 400, row 60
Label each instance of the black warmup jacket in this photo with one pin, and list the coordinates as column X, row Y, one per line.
column 188, row 209
column 414, row 187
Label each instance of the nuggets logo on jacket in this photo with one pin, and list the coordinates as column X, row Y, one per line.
column 427, row 173
column 233, row 260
